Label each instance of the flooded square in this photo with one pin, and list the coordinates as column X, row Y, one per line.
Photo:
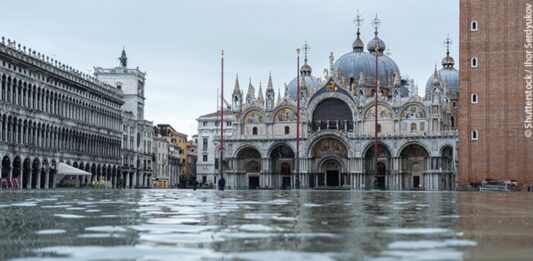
column 264, row 225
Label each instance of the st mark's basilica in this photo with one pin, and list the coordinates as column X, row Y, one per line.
column 417, row 136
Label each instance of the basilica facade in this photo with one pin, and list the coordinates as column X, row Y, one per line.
column 417, row 138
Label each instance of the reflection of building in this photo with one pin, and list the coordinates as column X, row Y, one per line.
column 416, row 138
column 52, row 113
column 495, row 119
column 137, row 132
column 208, row 144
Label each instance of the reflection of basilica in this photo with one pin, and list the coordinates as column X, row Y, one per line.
column 417, row 136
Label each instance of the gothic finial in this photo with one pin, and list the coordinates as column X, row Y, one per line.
column 270, row 86
column 448, row 43
column 358, row 45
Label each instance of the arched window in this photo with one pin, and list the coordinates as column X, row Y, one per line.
column 254, row 131
column 287, row 130
column 474, row 135
column 473, row 25
column 474, row 98
column 379, row 128
column 474, row 62
column 452, row 122
column 413, row 127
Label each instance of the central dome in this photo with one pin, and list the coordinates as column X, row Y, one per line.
column 353, row 63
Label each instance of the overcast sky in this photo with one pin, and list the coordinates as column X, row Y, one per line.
column 178, row 43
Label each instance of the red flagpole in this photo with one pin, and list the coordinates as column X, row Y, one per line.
column 221, row 182
column 297, row 118
column 376, row 118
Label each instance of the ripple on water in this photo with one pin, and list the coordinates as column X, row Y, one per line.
column 24, row 204
column 425, row 244
column 417, row 231
column 68, row 216
column 106, row 229
column 50, row 231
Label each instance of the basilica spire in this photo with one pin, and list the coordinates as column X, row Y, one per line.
column 358, row 45
column 123, row 59
column 260, row 97
column 448, row 62
column 278, row 102
column 270, row 86
column 306, row 70
column 237, row 88
column 250, row 95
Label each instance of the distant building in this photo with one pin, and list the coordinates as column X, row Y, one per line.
column 179, row 141
column 53, row 114
column 208, row 144
column 174, row 166
column 137, row 132
column 496, row 95
column 161, row 163
column 192, row 155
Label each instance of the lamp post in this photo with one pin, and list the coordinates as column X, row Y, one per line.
column 297, row 183
column 221, row 181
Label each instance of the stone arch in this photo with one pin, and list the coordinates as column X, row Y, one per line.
column 378, row 165
column 421, row 144
column 286, row 113
column 6, row 168
column 36, row 168
column 281, row 154
column 314, row 103
column 329, row 134
column 385, row 112
column 332, row 113
column 249, row 160
column 26, row 173
column 253, row 115
column 407, row 111
column 413, row 163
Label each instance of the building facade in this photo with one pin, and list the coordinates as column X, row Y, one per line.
column 51, row 113
column 496, row 96
column 137, row 132
column 417, row 141
column 207, row 166
column 161, row 163
column 179, row 141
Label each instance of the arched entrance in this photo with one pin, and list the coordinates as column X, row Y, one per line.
column 36, row 168
column 377, row 167
column 331, row 169
column 249, row 162
column 17, row 167
column 327, row 154
column 413, row 161
column 6, row 167
column 26, row 173
column 282, row 165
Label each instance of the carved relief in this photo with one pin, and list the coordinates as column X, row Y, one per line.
column 285, row 115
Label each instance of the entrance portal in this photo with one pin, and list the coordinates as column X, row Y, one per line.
column 253, row 182
column 286, row 182
column 416, row 182
column 332, row 178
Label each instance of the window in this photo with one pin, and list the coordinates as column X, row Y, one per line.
column 474, row 98
column 204, row 158
column 204, row 123
column 379, row 128
column 422, row 126
column 287, row 130
column 228, row 123
column 216, row 123
column 254, row 131
column 474, row 62
column 204, row 143
column 474, row 135
column 413, row 127
column 452, row 122
column 473, row 26
column 454, row 104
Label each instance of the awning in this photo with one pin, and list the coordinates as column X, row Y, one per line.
column 64, row 169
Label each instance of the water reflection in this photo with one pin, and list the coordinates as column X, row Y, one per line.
column 247, row 225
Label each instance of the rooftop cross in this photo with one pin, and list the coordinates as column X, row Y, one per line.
column 358, row 20
column 306, row 51
column 448, row 43
column 376, row 23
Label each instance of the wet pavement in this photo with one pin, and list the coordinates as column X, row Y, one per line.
column 264, row 225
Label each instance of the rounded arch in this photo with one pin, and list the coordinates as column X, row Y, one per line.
column 385, row 111
column 253, row 115
column 246, row 146
column 328, row 146
column 317, row 136
column 249, row 160
column 409, row 143
column 316, row 101
column 413, row 110
column 285, row 113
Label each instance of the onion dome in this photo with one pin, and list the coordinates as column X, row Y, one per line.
column 376, row 44
column 352, row 64
column 449, row 76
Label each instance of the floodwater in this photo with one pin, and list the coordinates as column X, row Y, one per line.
column 264, row 225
